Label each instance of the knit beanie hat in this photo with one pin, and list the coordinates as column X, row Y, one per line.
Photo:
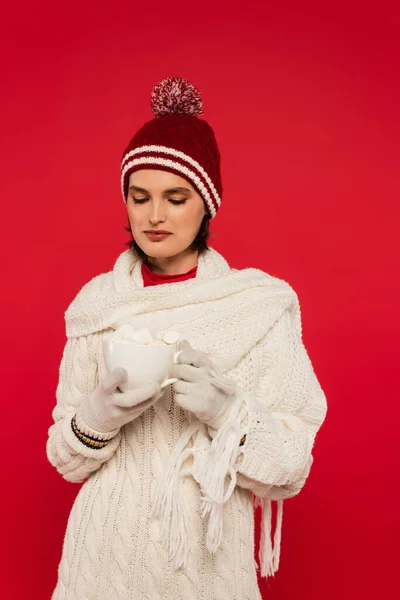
column 176, row 140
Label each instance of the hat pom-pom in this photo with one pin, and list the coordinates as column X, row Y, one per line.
column 176, row 96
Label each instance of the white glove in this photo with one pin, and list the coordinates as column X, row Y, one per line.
column 201, row 388
column 106, row 409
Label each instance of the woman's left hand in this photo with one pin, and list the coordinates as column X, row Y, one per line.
column 194, row 391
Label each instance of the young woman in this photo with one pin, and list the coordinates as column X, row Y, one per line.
column 171, row 477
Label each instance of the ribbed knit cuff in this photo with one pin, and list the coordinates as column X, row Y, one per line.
column 221, row 416
column 219, row 419
column 78, row 443
column 87, row 440
column 90, row 424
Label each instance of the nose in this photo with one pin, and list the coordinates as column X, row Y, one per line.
column 157, row 213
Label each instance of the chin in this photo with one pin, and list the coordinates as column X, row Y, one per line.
column 161, row 249
column 158, row 253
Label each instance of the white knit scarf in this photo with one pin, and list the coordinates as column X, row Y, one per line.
column 218, row 305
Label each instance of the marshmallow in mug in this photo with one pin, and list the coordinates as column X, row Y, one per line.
column 144, row 358
column 143, row 336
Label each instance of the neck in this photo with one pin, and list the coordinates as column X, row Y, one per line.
column 173, row 265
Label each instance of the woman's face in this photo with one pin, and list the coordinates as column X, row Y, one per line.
column 159, row 201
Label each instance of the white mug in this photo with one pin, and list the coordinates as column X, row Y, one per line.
column 144, row 363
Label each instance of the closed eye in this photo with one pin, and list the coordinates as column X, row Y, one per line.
column 143, row 200
column 177, row 201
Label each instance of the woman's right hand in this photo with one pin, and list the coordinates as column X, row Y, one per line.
column 107, row 409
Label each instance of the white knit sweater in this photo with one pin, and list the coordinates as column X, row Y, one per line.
column 166, row 463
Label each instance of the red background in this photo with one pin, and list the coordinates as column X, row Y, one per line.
column 305, row 105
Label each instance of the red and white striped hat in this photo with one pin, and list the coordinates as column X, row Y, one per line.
column 176, row 140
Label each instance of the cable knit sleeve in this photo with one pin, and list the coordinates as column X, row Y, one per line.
column 283, row 415
column 78, row 376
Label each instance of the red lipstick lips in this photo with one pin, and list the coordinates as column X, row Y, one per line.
column 157, row 235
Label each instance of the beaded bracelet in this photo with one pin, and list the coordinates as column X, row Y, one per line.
column 87, row 440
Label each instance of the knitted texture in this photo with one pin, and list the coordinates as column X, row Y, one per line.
column 249, row 323
column 177, row 141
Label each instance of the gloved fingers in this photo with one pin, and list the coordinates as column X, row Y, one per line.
column 184, row 401
column 134, row 397
column 184, row 345
column 188, row 373
column 112, row 380
column 190, row 356
column 183, row 387
column 141, row 407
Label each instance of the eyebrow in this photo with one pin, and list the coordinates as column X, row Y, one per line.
column 175, row 190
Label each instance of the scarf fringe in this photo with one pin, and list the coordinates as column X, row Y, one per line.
column 221, row 461
column 269, row 554
column 169, row 504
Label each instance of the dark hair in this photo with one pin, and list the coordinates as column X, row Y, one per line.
column 199, row 243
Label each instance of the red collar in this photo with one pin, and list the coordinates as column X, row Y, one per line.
column 151, row 278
